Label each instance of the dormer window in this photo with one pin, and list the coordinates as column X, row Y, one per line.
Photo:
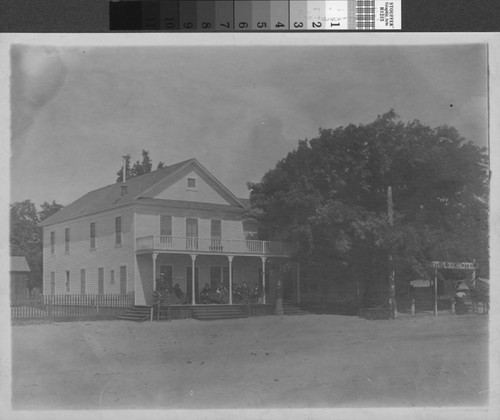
column 191, row 183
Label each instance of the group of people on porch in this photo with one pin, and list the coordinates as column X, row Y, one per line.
column 218, row 294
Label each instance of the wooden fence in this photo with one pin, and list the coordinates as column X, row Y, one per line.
column 68, row 307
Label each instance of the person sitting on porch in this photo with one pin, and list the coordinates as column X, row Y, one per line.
column 179, row 294
column 256, row 294
column 221, row 293
column 205, row 294
column 245, row 292
column 161, row 283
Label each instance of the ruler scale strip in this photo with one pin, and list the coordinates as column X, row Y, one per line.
column 255, row 15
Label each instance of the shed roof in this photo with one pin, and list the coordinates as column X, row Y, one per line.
column 111, row 196
column 19, row 264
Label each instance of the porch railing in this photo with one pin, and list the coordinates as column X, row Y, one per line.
column 213, row 245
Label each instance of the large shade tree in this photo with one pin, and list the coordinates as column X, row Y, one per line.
column 331, row 196
column 26, row 235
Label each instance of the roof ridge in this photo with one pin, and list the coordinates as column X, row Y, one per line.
column 111, row 190
column 132, row 178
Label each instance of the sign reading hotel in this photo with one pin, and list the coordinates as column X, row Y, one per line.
column 454, row 265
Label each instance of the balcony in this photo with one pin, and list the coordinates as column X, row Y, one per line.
column 186, row 244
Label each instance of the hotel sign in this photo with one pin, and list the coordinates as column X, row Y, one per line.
column 454, row 265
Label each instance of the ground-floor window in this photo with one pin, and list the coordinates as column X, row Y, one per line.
column 123, row 279
column 100, row 281
column 68, row 281
column 82, row 281
column 52, row 282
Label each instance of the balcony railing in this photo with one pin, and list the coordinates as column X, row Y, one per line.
column 213, row 245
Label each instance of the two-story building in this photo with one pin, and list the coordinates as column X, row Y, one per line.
column 178, row 220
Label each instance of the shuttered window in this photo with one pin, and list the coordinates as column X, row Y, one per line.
column 66, row 239
column 92, row 235
column 52, row 282
column 52, row 242
column 82, row 281
column 68, row 281
column 118, row 230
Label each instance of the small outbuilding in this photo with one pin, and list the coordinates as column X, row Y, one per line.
column 19, row 277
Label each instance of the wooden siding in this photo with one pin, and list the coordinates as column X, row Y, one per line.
column 148, row 222
column 80, row 256
column 203, row 193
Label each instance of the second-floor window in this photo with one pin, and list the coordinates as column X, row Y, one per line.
column 66, row 239
column 92, row 235
column 118, row 230
column 215, row 235
column 166, row 225
column 52, row 242
column 215, row 228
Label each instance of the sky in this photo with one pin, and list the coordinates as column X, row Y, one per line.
column 237, row 109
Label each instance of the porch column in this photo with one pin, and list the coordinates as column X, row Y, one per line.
column 154, row 255
column 193, row 294
column 230, row 258
column 298, row 282
column 263, row 279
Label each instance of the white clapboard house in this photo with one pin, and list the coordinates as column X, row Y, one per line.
column 178, row 220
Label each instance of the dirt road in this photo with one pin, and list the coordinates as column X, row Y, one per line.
column 264, row 362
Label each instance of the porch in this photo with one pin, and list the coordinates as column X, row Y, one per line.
column 214, row 246
column 196, row 263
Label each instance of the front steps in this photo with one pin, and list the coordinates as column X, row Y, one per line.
column 292, row 309
column 141, row 313
column 214, row 312
column 138, row 313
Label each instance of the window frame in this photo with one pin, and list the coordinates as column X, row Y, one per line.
column 100, row 280
column 212, row 229
column 52, row 242
column 83, row 281
column 118, row 231
column 67, row 239
column 162, row 218
column 68, row 281
column 92, row 235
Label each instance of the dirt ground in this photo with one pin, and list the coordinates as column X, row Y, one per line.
column 261, row 362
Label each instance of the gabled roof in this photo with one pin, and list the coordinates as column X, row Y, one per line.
column 110, row 197
column 19, row 264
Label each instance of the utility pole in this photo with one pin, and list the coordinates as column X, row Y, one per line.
column 392, row 286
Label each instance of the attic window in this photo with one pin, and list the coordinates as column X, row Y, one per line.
column 191, row 183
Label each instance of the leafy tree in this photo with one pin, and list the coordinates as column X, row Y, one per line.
column 330, row 196
column 138, row 168
column 26, row 235
column 48, row 209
